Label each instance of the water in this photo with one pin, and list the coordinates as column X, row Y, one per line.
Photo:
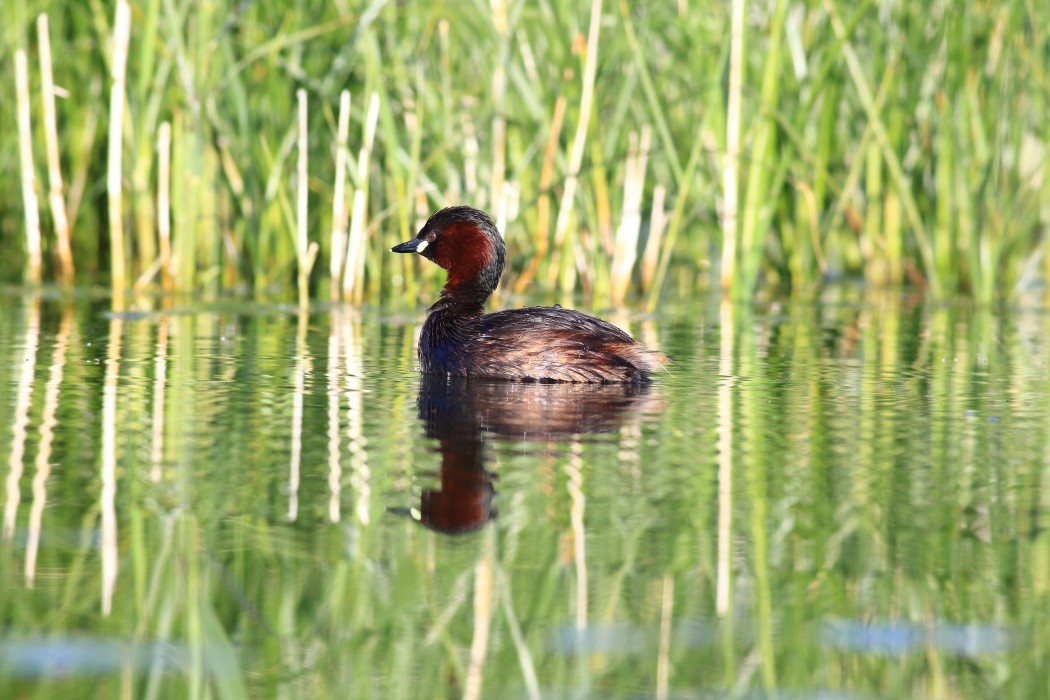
column 844, row 499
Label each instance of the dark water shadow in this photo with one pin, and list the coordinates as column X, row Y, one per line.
column 462, row 414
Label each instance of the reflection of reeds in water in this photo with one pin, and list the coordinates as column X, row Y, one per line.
column 752, row 461
column 47, row 436
column 110, row 564
column 525, row 660
column 360, row 476
column 217, row 573
column 574, row 470
column 335, row 469
column 302, row 368
column 663, row 661
column 160, row 382
column 483, row 601
column 725, row 458
column 23, row 399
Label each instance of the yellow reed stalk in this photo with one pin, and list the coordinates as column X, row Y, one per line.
column 306, row 252
column 543, row 207
column 657, row 224
column 339, row 213
column 164, row 204
column 729, row 169
column 25, row 153
column 579, row 141
column 499, row 122
column 301, row 191
column 355, row 248
column 54, row 165
column 625, row 251
column 121, row 34
column 81, row 157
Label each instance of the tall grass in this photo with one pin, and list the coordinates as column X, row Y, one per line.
column 895, row 142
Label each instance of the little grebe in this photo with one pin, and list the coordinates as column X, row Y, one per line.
column 540, row 343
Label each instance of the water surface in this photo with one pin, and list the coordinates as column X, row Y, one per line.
column 843, row 499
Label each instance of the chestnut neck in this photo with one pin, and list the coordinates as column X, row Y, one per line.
column 462, row 297
column 473, row 256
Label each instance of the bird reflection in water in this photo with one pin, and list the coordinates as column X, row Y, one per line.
column 458, row 413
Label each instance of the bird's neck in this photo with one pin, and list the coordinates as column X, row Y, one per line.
column 466, row 299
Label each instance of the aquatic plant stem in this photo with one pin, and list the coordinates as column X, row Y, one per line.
column 579, row 141
column 730, row 183
column 625, row 251
column 355, row 247
column 164, row 204
column 25, row 153
column 675, row 224
column 339, row 212
column 541, row 239
column 306, row 251
column 121, row 35
column 497, row 202
column 763, row 156
column 658, row 113
column 892, row 162
column 54, row 166
column 657, row 224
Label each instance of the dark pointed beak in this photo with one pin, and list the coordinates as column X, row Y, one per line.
column 412, row 246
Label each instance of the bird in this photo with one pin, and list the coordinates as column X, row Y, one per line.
column 532, row 344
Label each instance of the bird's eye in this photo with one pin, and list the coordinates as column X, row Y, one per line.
column 431, row 236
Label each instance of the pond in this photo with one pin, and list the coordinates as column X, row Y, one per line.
column 838, row 499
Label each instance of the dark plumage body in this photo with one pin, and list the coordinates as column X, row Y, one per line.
column 540, row 343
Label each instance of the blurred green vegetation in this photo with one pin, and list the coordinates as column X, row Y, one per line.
column 901, row 143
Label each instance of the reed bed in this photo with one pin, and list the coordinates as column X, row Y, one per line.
column 792, row 144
